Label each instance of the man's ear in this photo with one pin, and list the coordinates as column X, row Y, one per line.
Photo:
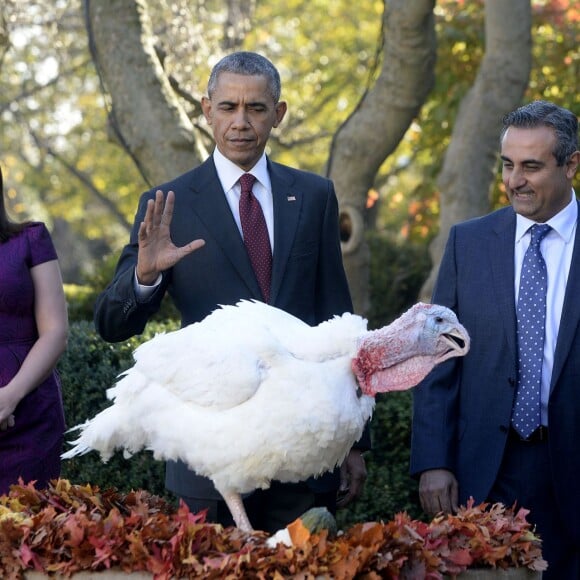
column 281, row 108
column 206, row 108
column 572, row 164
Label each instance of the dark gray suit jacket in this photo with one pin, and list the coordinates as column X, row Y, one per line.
column 462, row 410
column 308, row 278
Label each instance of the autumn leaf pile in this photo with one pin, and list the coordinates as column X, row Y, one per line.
column 70, row 528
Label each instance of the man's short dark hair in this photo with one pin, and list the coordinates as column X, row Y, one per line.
column 546, row 114
column 249, row 64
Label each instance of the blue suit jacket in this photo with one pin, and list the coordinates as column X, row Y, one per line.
column 462, row 410
column 308, row 278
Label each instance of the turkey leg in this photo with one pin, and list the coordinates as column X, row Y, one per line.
column 236, row 507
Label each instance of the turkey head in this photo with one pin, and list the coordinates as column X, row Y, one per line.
column 400, row 355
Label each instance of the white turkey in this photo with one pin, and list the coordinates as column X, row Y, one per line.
column 251, row 393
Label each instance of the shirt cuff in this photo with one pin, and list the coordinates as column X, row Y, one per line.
column 142, row 291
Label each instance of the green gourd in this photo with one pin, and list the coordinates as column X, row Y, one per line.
column 317, row 519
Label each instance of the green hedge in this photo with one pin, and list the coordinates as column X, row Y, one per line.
column 91, row 365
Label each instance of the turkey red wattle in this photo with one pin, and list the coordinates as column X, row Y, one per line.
column 400, row 377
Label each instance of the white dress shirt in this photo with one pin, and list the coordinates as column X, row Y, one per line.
column 557, row 248
column 229, row 174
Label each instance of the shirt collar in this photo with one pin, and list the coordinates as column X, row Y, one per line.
column 562, row 223
column 229, row 173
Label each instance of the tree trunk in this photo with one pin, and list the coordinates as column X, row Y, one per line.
column 377, row 126
column 143, row 110
column 4, row 39
column 469, row 165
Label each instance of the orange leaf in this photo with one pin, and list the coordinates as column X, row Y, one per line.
column 299, row 533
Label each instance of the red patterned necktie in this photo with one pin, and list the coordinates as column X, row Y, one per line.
column 255, row 233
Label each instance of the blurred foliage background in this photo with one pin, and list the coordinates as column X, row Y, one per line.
column 63, row 165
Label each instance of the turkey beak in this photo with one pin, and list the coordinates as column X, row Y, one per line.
column 457, row 342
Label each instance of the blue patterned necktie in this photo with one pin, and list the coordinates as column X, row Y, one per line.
column 531, row 318
column 255, row 233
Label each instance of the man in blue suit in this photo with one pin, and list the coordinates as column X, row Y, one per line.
column 187, row 240
column 465, row 440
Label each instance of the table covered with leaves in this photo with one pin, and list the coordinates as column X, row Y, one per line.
column 67, row 529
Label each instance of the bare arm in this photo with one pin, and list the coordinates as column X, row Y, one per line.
column 52, row 323
column 156, row 250
column 438, row 491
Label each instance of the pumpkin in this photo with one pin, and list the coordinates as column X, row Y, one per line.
column 319, row 518
column 311, row 522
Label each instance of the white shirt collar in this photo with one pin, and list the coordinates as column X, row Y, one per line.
column 229, row 173
column 562, row 223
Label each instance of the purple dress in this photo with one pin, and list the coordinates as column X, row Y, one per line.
column 31, row 449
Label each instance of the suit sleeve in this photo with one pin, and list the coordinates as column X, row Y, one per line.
column 435, row 399
column 118, row 314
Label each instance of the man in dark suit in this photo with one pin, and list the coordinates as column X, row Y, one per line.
column 307, row 276
column 466, row 438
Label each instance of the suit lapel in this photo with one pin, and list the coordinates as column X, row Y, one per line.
column 570, row 317
column 287, row 205
column 502, row 263
column 211, row 206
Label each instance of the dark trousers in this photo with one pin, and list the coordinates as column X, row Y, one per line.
column 268, row 509
column 525, row 478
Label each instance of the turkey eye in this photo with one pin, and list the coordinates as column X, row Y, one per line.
column 438, row 319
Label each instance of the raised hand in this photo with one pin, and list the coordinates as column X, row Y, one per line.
column 157, row 252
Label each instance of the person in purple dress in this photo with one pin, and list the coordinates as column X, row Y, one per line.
column 33, row 335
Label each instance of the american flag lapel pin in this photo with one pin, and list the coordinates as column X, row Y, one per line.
column 291, row 198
